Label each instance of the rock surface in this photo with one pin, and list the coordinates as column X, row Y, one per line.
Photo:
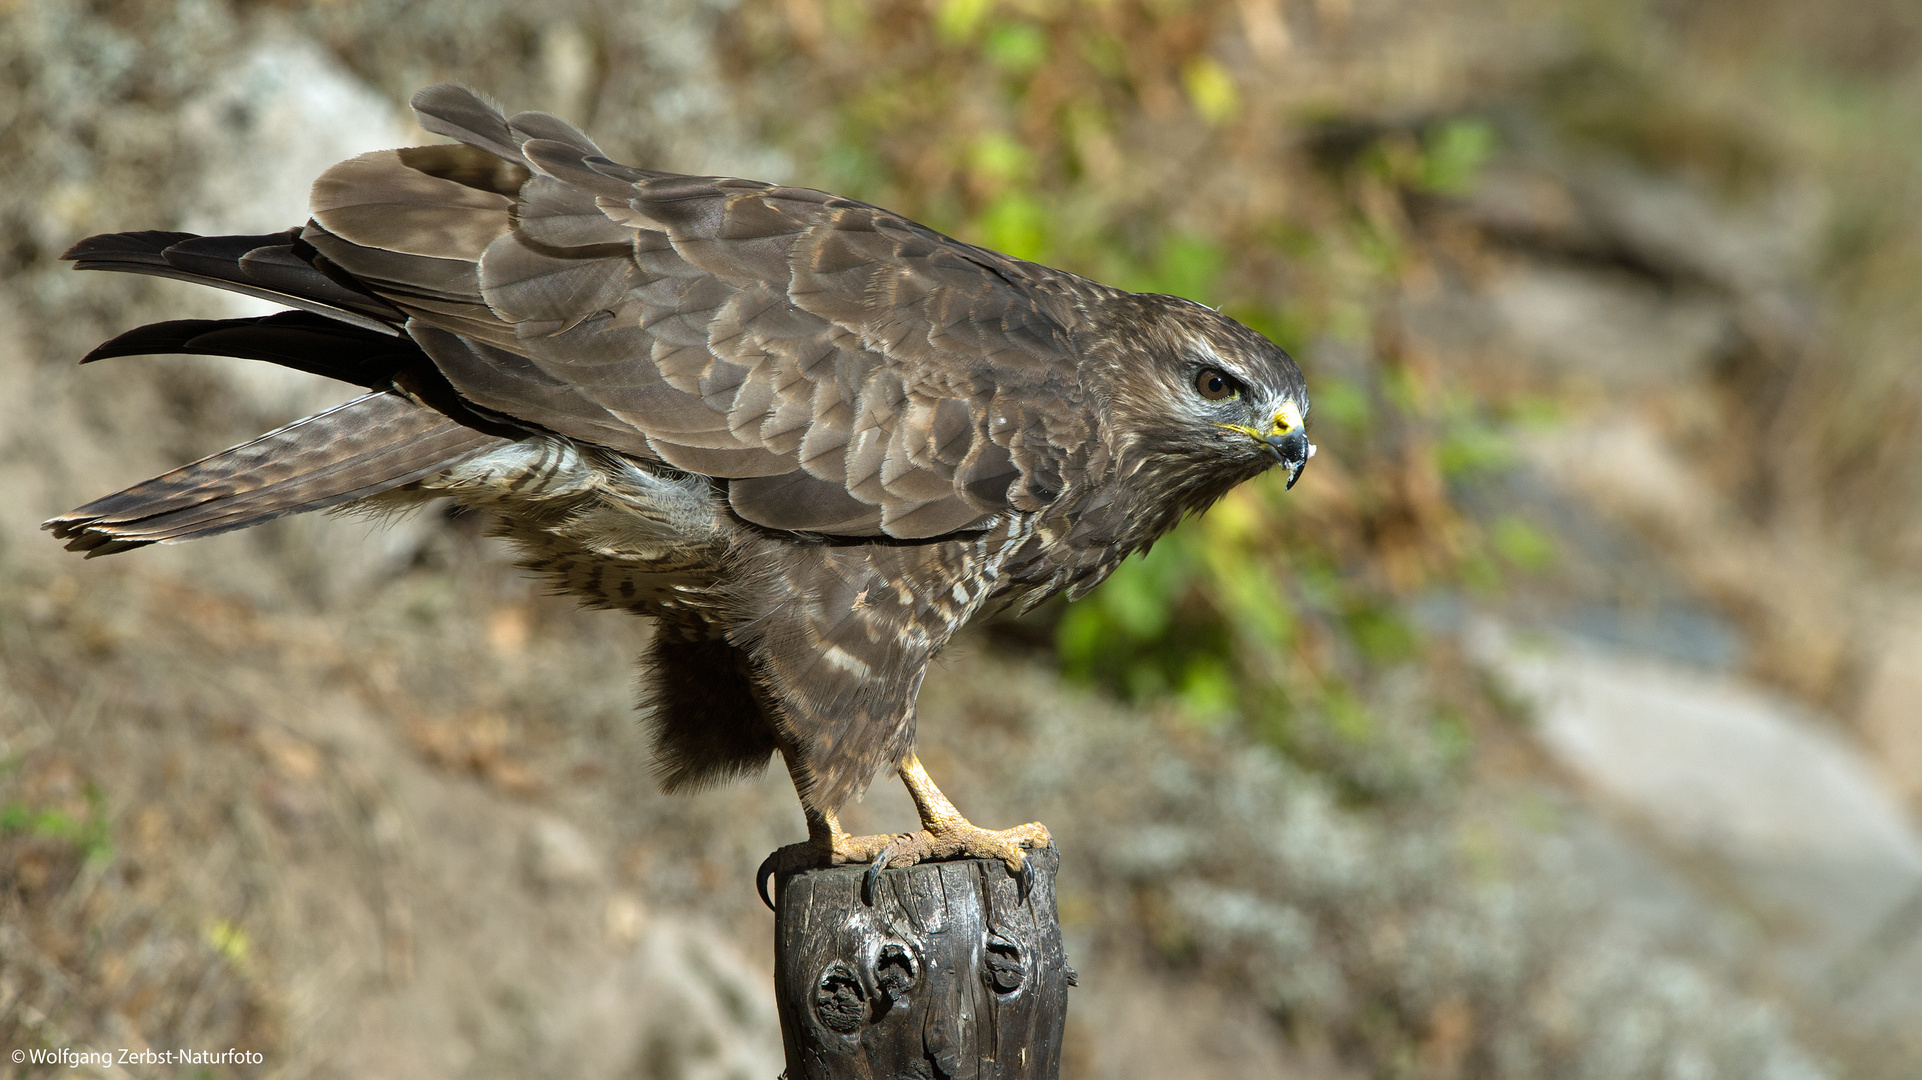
column 1756, row 787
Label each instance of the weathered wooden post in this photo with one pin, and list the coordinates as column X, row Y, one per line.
column 953, row 971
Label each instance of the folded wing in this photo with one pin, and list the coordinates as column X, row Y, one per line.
column 847, row 371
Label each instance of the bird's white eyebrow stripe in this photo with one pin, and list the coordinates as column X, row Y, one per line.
column 1201, row 345
column 1210, row 358
column 1208, row 354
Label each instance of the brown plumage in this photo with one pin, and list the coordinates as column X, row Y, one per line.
column 808, row 436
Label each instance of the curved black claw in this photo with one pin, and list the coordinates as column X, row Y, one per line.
column 1024, row 880
column 762, row 876
column 874, row 873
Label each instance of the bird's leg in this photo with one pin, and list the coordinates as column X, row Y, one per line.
column 830, row 844
column 827, row 844
column 945, row 834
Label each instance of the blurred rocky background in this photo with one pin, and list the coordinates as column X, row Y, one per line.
column 1565, row 721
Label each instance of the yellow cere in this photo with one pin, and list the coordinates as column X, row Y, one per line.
column 1287, row 419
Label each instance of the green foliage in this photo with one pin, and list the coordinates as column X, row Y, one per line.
column 999, row 159
column 1454, row 153
column 1522, row 544
column 229, row 940
column 91, row 834
column 1470, row 444
column 1016, row 224
column 1342, row 403
column 1381, row 633
column 1188, row 265
column 1211, row 90
column 957, row 20
column 1016, row 47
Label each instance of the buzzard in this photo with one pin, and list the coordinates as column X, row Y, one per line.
column 811, row 439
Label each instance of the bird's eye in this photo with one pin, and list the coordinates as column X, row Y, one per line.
column 1215, row 386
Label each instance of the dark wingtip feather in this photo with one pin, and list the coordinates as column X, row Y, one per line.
column 263, row 266
column 143, row 246
column 300, row 340
column 154, row 339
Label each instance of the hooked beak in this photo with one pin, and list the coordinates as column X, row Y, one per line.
column 1292, row 451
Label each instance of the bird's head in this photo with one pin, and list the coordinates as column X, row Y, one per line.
column 1280, row 430
column 1203, row 402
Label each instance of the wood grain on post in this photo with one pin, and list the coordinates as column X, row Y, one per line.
column 951, row 972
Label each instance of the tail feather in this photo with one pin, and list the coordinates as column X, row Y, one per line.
column 374, row 443
column 265, row 266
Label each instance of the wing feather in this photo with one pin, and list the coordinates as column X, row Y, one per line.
column 460, row 114
column 721, row 461
column 799, row 502
column 847, row 371
column 378, row 200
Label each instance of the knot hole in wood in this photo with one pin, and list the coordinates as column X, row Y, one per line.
column 953, row 970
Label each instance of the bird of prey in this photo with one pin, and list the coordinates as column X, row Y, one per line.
column 811, row 439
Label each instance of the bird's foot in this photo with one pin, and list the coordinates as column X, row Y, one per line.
column 828, row 847
column 944, row 834
column 956, row 839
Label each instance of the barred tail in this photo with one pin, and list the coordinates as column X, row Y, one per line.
column 374, row 443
